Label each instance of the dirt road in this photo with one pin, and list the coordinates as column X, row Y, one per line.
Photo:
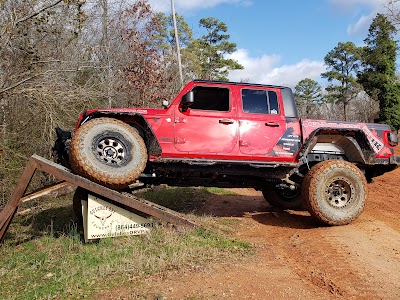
column 299, row 259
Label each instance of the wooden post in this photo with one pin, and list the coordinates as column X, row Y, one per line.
column 7, row 214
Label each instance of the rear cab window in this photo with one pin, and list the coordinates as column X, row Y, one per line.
column 256, row 101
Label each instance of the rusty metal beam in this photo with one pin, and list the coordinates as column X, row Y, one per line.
column 40, row 163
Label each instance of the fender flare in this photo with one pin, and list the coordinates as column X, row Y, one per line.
column 131, row 118
column 354, row 142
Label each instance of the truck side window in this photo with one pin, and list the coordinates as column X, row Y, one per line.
column 273, row 103
column 210, row 98
column 260, row 102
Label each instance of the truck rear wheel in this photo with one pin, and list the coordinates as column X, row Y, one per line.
column 334, row 192
column 109, row 152
column 286, row 199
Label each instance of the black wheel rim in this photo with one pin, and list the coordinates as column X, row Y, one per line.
column 110, row 151
column 339, row 192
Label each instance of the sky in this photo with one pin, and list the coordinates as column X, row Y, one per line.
column 281, row 41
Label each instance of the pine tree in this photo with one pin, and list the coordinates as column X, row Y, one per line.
column 343, row 64
column 210, row 51
column 378, row 76
column 308, row 94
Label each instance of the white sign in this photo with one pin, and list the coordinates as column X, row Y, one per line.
column 102, row 219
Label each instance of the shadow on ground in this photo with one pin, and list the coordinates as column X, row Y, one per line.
column 61, row 221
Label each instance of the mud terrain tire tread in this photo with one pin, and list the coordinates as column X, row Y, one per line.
column 274, row 198
column 84, row 162
column 316, row 183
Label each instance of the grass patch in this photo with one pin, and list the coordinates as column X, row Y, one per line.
column 182, row 199
column 219, row 191
column 43, row 256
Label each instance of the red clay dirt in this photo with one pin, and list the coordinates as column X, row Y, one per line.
column 297, row 258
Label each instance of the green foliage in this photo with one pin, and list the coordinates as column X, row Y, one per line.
column 165, row 37
column 210, row 51
column 343, row 63
column 378, row 76
column 308, row 94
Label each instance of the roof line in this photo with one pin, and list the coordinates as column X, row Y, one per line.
column 240, row 83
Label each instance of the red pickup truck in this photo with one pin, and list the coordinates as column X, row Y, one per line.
column 227, row 134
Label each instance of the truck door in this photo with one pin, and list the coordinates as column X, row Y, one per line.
column 261, row 123
column 209, row 124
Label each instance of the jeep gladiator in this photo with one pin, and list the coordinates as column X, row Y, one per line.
column 230, row 135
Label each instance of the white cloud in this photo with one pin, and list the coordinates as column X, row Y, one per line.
column 265, row 69
column 358, row 8
column 360, row 28
column 350, row 5
column 185, row 5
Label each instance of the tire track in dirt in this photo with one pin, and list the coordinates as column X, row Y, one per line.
column 319, row 259
column 357, row 261
column 376, row 247
column 296, row 257
column 315, row 256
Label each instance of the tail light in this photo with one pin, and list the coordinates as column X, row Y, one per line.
column 393, row 139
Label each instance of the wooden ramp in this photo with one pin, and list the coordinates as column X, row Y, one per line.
column 39, row 163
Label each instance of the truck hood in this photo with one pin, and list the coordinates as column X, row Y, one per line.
column 147, row 113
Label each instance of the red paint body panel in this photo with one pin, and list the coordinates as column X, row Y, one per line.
column 237, row 134
column 374, row 132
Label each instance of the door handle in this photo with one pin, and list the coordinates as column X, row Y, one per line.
column 272, row 124
column 226, row 121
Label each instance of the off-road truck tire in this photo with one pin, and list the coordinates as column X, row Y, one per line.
column 109, row 152
column 334, row 192
column 283, row 199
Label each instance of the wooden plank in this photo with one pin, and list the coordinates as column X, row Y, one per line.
column 45, row 191
column 7, row 214
column 142, row 205
column 6, row 223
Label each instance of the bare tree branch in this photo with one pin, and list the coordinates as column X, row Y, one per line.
column 34, row 14
column 20, row 82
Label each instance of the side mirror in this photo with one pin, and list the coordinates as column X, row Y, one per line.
column 187, row 100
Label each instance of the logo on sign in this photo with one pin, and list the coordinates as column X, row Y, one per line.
column 102, row 216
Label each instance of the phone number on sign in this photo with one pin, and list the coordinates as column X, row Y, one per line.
column 134, row 226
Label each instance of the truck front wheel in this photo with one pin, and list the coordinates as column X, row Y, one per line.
column 334, row 192
column 109, row 152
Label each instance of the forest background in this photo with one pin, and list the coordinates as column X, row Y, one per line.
column 59, row 57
